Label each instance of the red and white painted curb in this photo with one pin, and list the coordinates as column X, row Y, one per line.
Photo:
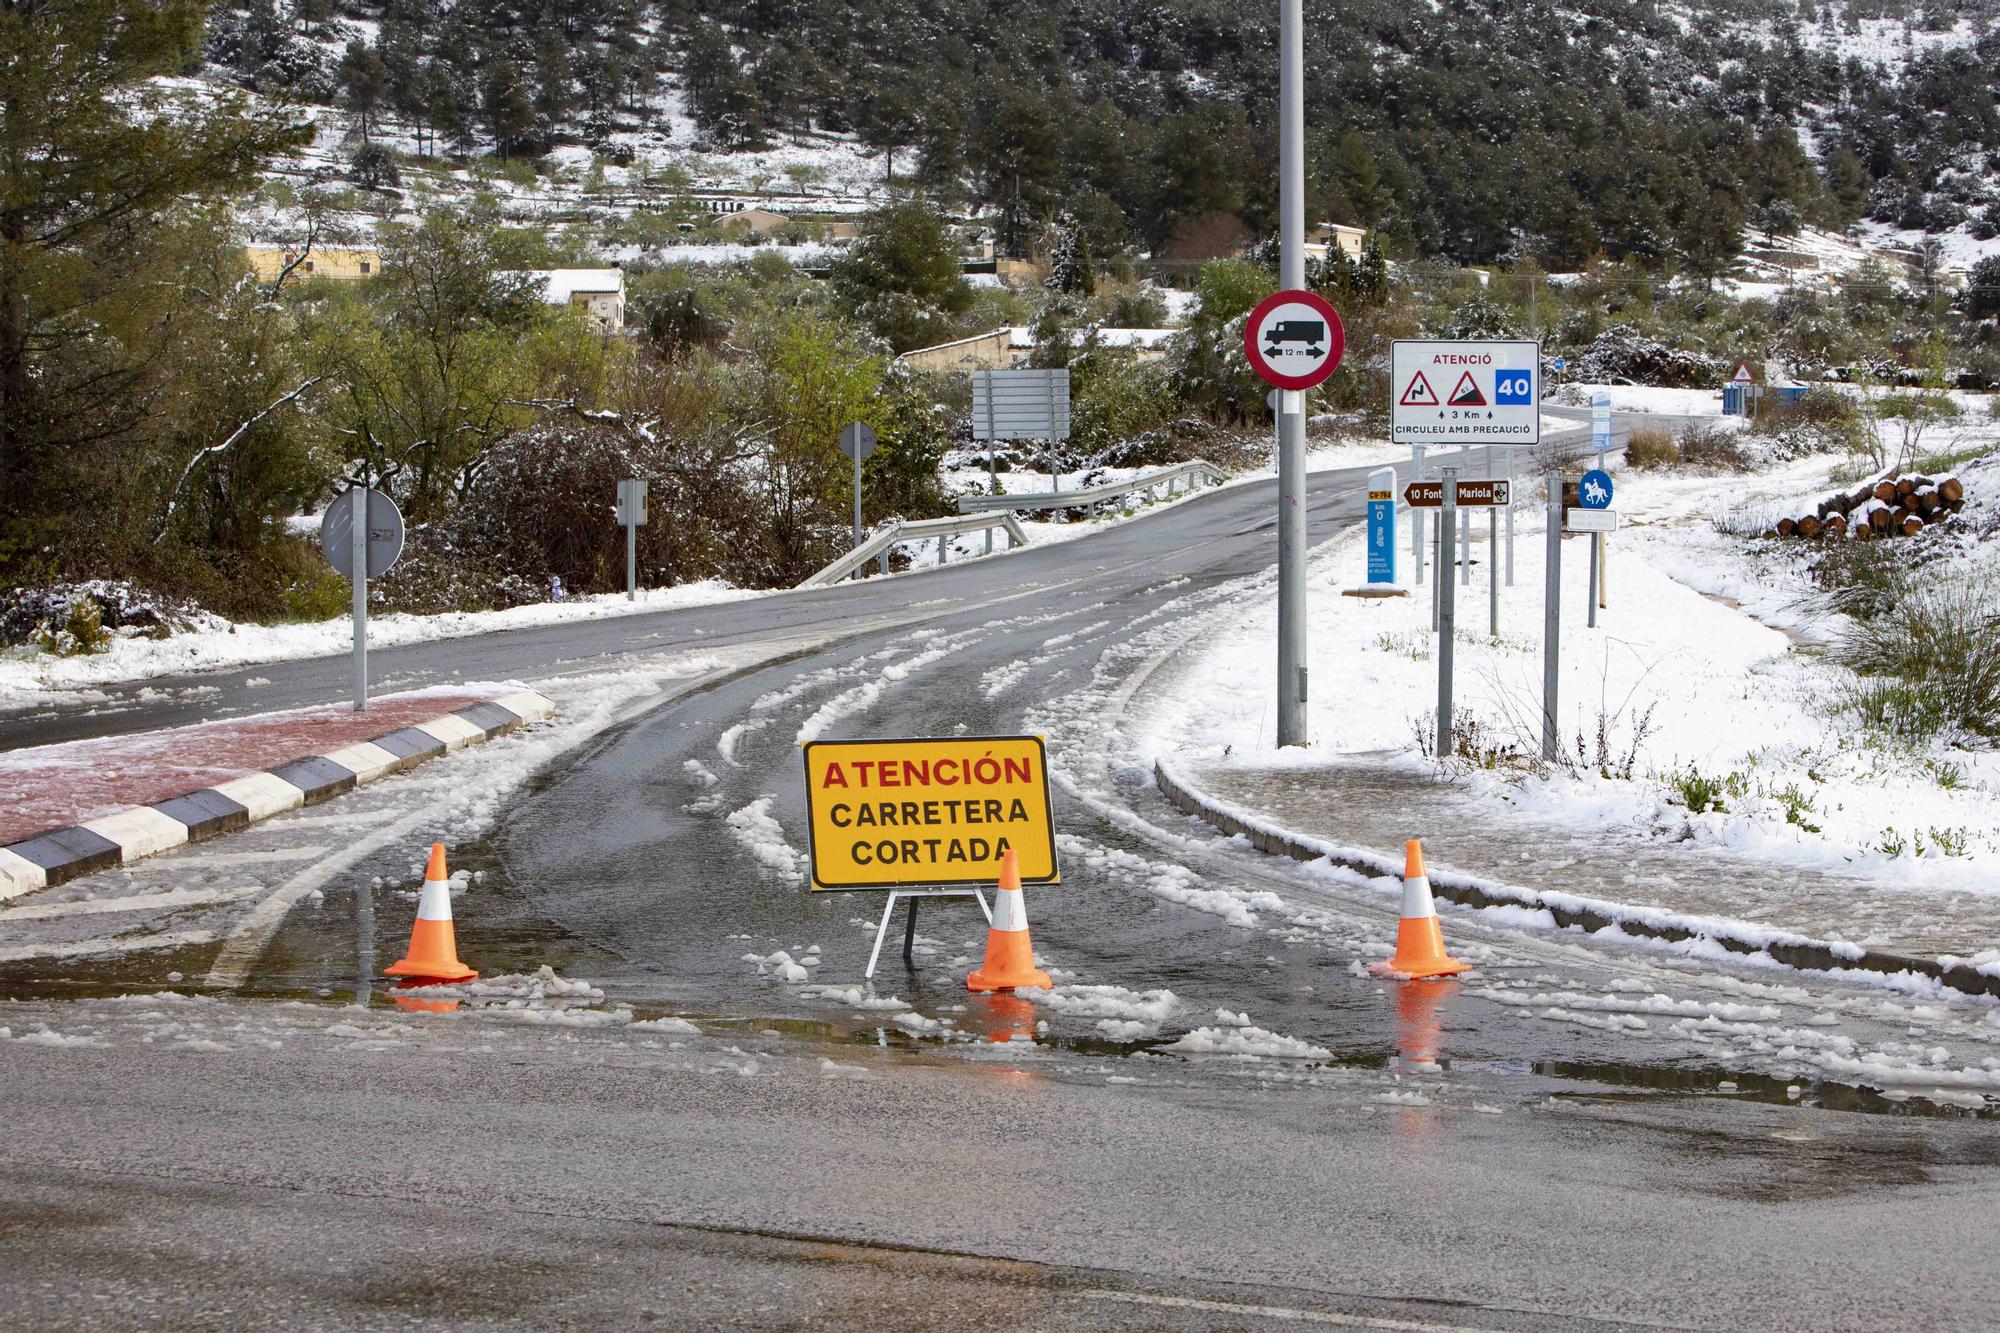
column 142, row 830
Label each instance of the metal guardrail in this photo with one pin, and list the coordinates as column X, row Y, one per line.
column 896, row 533
column 1168, row 477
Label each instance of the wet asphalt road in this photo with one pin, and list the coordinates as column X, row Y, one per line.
column 501, row 1175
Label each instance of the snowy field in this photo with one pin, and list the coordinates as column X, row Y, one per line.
column 1707, row 660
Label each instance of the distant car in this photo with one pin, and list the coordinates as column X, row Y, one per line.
column 1311, row 332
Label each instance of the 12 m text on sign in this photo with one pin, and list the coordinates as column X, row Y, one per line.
column 892, row 814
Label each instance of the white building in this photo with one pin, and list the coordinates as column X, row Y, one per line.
column 599, row 291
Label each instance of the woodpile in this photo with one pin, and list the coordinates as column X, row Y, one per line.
column 1895, row 507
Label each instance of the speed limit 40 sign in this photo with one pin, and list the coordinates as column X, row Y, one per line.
column 1294, row 339
column 1486, row 392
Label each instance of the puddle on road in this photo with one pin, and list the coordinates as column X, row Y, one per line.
column 331, row 952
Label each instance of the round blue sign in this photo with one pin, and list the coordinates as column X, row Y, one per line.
column 1594, row 491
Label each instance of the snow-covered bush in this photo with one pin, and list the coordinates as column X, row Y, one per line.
column 542, row 505
column 80, row 634
column 1933, row 659
column 1623, row 355
column 70, row 618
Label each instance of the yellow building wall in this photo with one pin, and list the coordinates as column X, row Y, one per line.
column 342, row 264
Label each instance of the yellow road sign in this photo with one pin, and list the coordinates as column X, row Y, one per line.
column 887, row 814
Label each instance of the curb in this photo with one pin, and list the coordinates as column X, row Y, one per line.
column 119, row 838
column 1793, row 951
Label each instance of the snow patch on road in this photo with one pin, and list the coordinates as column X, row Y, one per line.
column 758, row 832
column 1246, row 1043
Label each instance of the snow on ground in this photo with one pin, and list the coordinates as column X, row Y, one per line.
column 1961, row 248
column 1676, row 675
column 1640, row 398
column 31, row 678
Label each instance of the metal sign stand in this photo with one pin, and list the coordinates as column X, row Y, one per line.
column 631, row 513
column 1447, row 612
column 1596, row 555
column 915, row 896
column 359, row 547
column 1417, row 515
column 1552, row 615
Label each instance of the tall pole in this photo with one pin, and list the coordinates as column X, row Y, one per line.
column 1552, row 614
column 1417, row 515
column 358, row 551
column 1590, row 604
column 857, row 497
column 1291, row 403
column 1447, row 614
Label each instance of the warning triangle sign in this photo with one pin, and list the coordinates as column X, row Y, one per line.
column 1419, row 394
column 1467, row 393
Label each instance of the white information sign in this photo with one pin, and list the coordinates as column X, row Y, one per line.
column 1466, row 393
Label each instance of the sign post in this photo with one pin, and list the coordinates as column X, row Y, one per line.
column 1416, row 516
column 631, row 513
column 1594, row 501
column 1294, row 340
column 926, row 819
column 1465, row 529
column 857, row 441
column 361, row 540
column 1447, row 612
column 1552, row 615
column 357, row 557
column 1493, row 556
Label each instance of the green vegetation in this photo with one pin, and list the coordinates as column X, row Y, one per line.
column 1702, row 793
column 1932, row 659
column 1650, row 449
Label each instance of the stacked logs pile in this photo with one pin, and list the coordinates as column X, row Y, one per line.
column 1902, row 507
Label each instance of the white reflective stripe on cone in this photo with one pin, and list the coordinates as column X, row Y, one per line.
column 435, row 902
column 1417, row 897
column 1009, row 911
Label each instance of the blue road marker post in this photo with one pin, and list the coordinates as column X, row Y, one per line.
column 1382, row 526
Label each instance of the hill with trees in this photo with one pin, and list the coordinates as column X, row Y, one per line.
column 1476, row 133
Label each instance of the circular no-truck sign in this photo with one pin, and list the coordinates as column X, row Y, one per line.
column 1294, row 339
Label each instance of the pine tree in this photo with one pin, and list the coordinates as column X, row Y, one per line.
column 92, row 174
column 364, row 78
column 1070, row 271
column 508, row 112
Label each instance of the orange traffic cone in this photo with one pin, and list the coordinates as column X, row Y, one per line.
column 1419, row 938
column 433, row 952
column 1010, row 956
